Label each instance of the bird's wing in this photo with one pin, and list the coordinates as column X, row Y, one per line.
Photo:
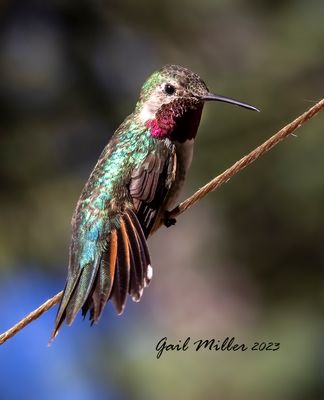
column 150, row 183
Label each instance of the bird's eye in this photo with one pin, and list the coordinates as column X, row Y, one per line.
column 169, row 89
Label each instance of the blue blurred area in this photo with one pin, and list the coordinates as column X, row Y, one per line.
column 31, row 369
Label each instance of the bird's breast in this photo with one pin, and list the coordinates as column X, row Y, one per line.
column 184, row 153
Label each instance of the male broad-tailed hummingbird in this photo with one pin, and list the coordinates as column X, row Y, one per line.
column 135, row 181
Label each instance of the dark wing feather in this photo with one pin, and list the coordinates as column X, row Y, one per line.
column 150, row 183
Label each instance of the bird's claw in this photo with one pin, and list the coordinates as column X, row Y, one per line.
column 168, row 220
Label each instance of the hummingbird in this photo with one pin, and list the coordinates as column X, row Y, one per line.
column 136, row 180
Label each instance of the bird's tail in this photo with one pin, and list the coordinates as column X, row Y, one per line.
column 123, row 267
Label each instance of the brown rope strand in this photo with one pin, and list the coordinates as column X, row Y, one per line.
column 30, row 317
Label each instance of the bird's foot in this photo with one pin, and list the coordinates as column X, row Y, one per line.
column 168, row 220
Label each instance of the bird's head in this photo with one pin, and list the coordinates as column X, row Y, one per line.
column 171, row 102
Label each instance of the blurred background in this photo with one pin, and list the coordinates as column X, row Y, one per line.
column 247, row 261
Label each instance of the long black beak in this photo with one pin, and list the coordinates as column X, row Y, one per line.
column 215, row 97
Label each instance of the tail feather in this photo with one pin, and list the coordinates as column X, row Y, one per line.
column 106, row 274
column 122, row 271
column 146, row 261
column 103, row 283
column 81, row 291
column 69, row 287
column 122, row 266
column 137, row 261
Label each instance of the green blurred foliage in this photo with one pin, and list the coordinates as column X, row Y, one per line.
column 247, row 260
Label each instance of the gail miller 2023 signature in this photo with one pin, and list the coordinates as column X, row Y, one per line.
column 227, row 344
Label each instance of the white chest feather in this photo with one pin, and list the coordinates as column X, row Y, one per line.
column 147, row 113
